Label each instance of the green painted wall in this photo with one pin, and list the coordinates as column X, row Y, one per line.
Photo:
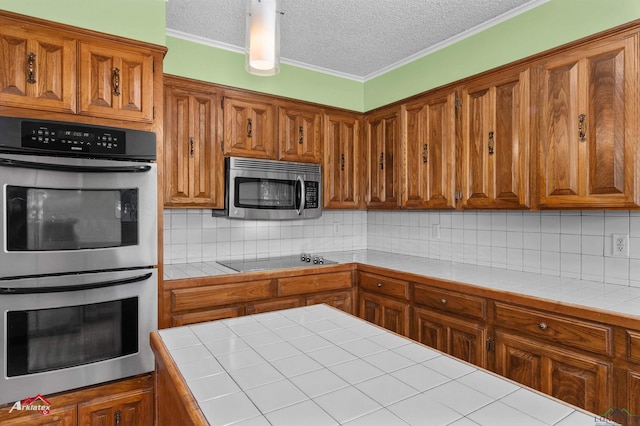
column 549, row 25
column 143, row 20
column 201, row 62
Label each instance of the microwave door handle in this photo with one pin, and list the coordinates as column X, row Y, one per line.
column 300, row 207
column 74, row 169
column 62, row 288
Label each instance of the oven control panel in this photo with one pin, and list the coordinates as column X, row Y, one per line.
column 71, row 138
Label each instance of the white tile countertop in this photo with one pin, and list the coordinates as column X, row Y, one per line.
column 615, row 298
column 320, row 366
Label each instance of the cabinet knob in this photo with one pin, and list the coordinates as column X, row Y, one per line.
column 249, row 128
column 542, row 326
column 382, row 161
column 31, row 79
column 425, row 153
column 342, row 162
column 379, row 285
column 300, row 135
column 191, row 147
column 117, row 418
column 443, row 301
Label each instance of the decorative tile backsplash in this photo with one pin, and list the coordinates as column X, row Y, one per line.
column 575, row 244
column 194, row 236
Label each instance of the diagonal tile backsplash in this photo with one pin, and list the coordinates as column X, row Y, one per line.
column 575, row 244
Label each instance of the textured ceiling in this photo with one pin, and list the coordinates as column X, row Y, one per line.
column 357, row 39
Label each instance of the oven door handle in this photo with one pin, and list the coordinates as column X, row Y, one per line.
column 74, row 169
column 61, row 288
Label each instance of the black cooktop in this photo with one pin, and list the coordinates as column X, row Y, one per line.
column 268, row 263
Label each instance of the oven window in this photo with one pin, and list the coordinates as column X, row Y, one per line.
column 51, row 339
column 257, row 193
column 45, row 219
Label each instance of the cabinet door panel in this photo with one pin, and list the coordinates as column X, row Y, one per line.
column 477, row 136
column 517, row 363
column 248, row 127
column 38, row 70
column 606, row 123
column 559, row 141
column 193, row 158
column 382, row 160
column 135, row 408
column 428, row 141
column 299, row 135
column 388, row 313
column 341, row 162
column 114, row 82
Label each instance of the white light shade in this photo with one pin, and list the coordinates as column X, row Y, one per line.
column 263, row 37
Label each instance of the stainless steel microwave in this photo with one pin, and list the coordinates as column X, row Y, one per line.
column 271, row 190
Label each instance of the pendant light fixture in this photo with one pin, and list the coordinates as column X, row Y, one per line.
column 263, row 37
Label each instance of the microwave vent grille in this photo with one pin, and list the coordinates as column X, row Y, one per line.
column 274, row 166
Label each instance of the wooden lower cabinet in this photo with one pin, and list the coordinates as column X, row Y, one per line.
column 463, row 339
column 385, row 312
column 62, row 416
column 582, row 380
column 124, row 402
column 133, row 408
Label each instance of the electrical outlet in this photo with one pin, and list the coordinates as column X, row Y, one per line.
column 435, row 232
column 336, row 228
column 620, row 245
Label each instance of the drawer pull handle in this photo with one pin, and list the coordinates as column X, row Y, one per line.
column 543, row 326
column 379, row 285
column 443, row 301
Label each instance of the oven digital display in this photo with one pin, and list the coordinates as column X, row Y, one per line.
column 72, row 138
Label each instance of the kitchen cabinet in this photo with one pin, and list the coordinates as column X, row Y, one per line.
column 132, row 408
column 57, row 68
column 382, row 169
column 114, row 81
column 122, row 402
column 495, row 152
column 565, row 357
column 193, row 161
column 384, row 301
column 249, row 125
column 588, row 125
column 299, row 133
column 452, row 322
column 189, row 301
column 629, row 382
column 38, row 68
column 342, row 161
column 428, row 147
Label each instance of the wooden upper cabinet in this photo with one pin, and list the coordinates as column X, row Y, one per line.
column 495, row 141
column 114, row 82
column 249, row 126
column 299, row 134
column 38, row 68
column 428, row 142
column 588, row 126
column 342, row 161
column 382, row 171
column 193, row 162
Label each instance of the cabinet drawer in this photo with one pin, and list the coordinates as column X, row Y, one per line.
column 313, row 283
column 217, row 295
column 451, row 302
column 633, row 346
column 202, row 316
column 384, row 285
column 563, row 330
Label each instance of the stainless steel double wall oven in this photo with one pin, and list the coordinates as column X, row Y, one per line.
column 78, row 283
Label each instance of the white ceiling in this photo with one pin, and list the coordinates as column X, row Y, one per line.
column 357, row 39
